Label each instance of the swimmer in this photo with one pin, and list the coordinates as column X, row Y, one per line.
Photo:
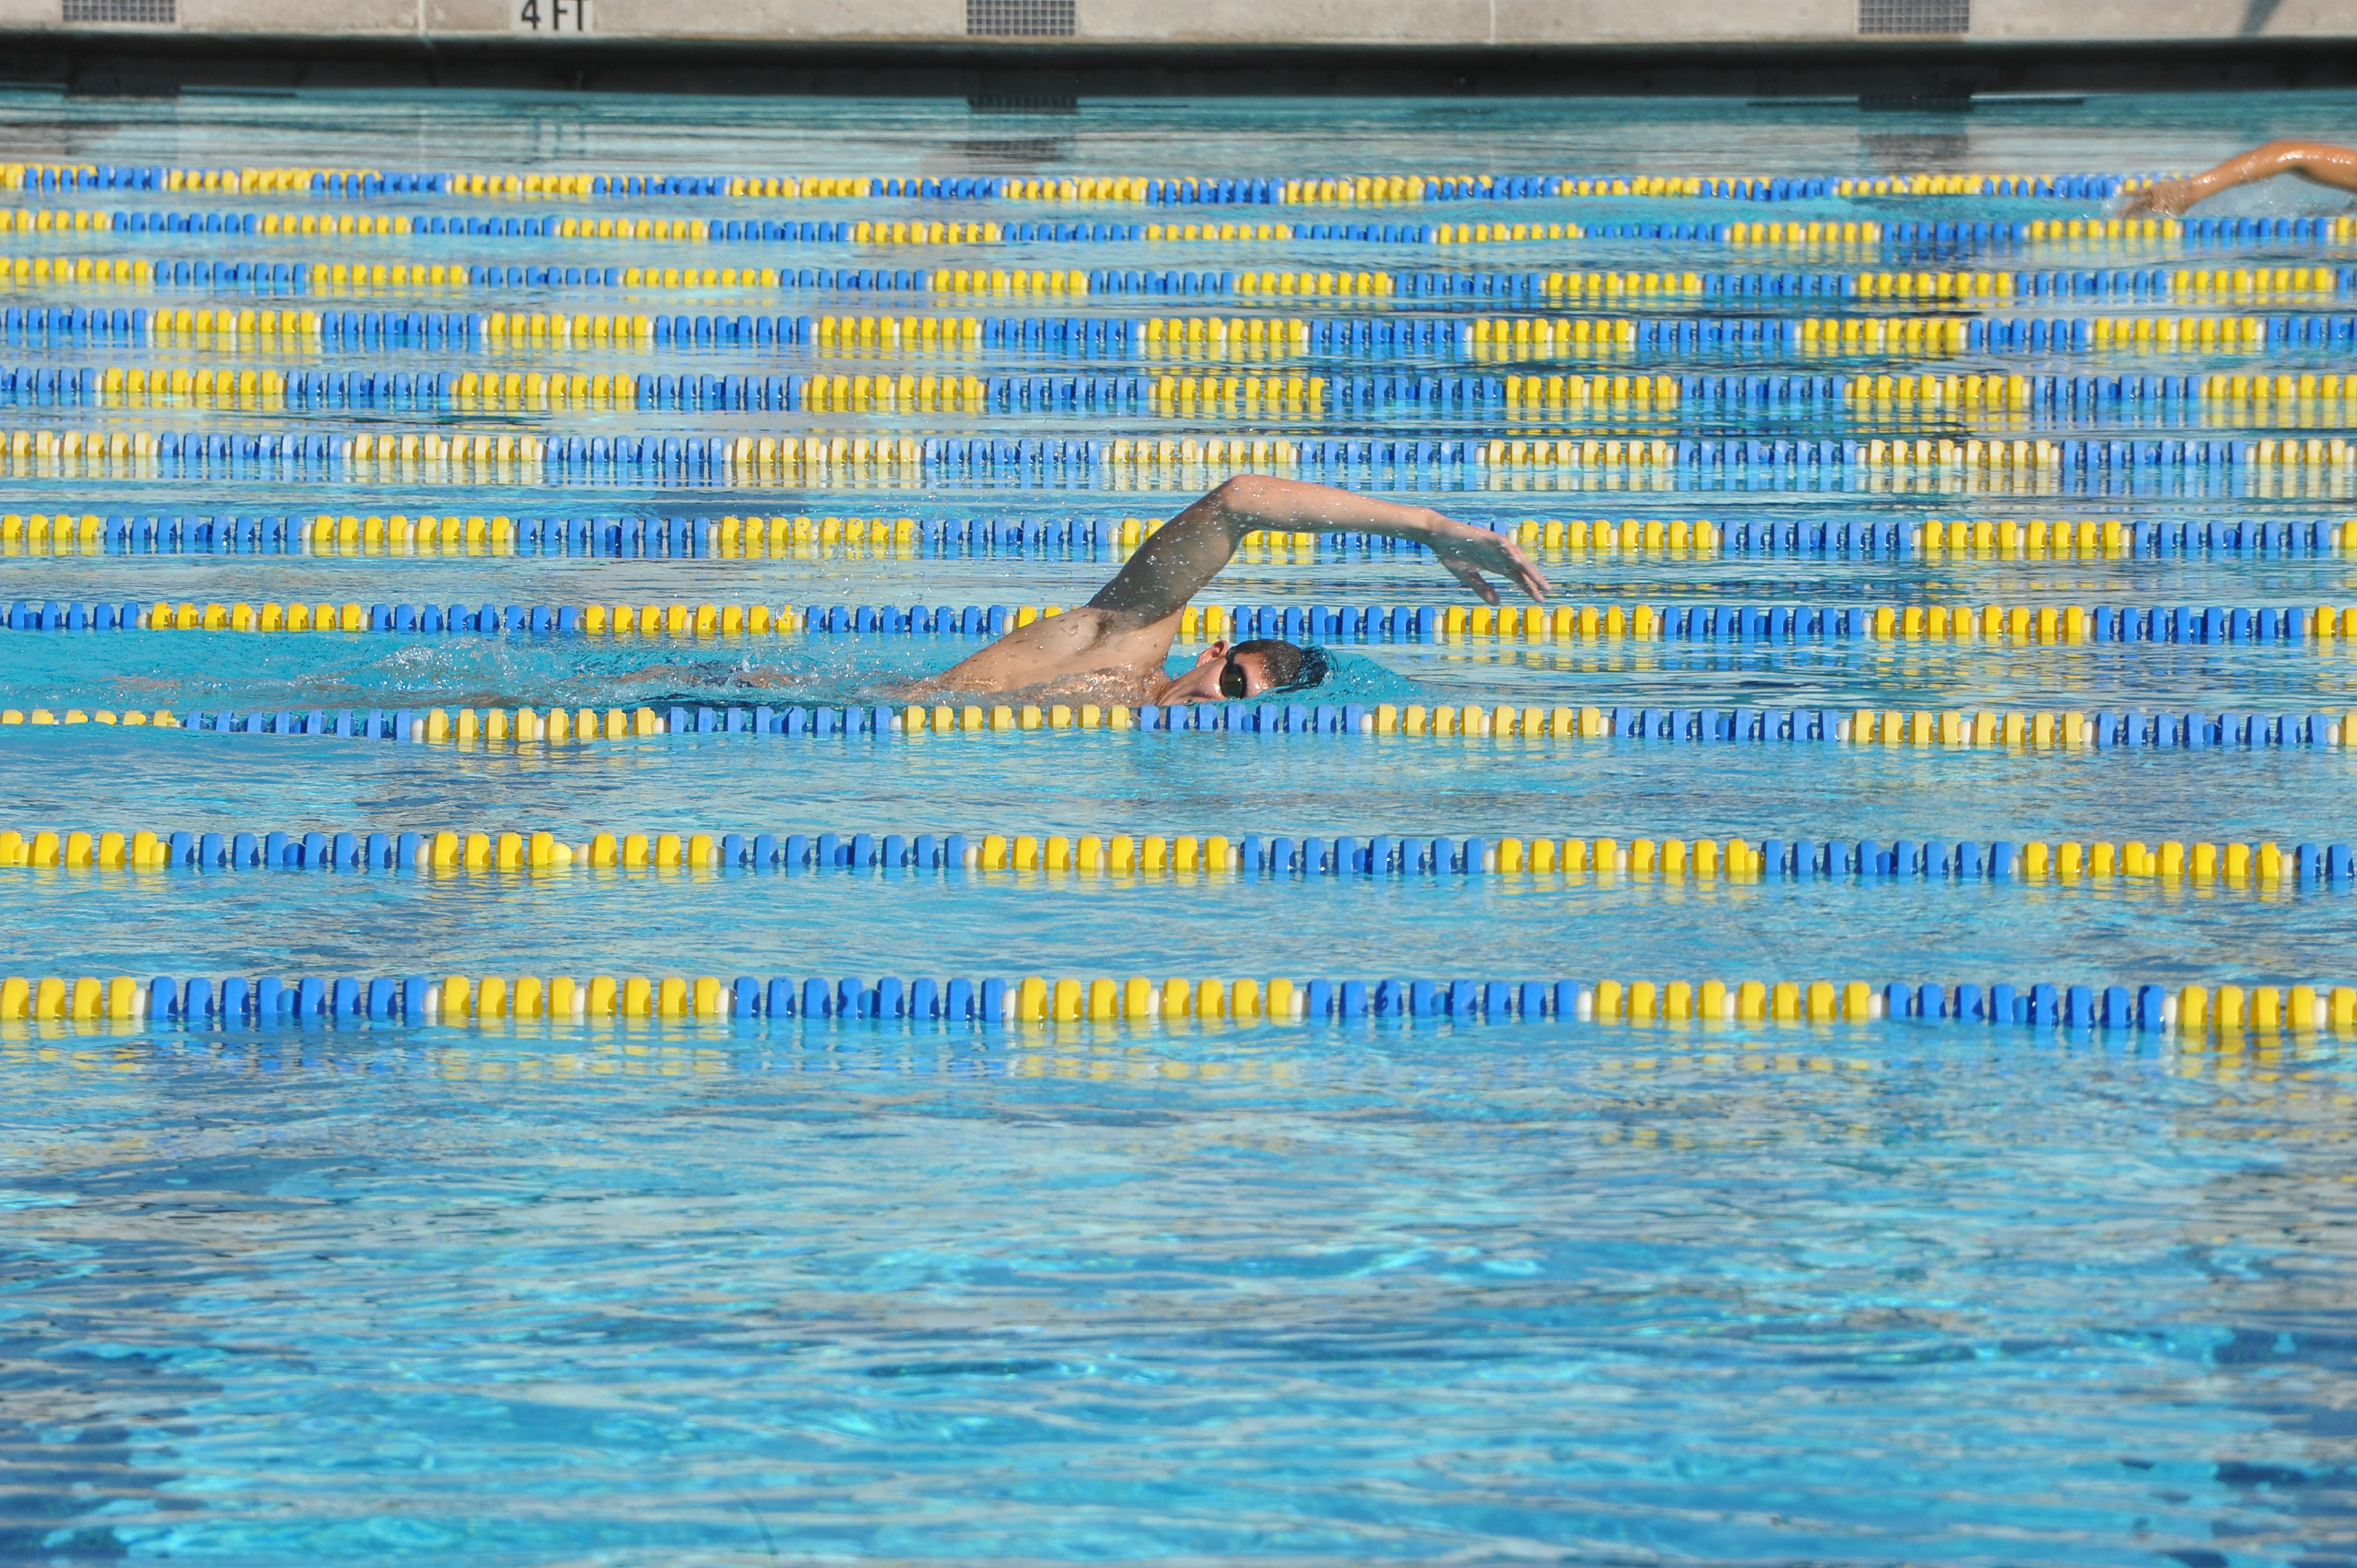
column 1113, row 648
column 2319, row 162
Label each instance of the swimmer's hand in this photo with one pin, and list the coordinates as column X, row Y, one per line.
column 2164, row 199
column 1468, row 552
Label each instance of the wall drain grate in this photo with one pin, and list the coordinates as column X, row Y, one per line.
column 138, row 13
column 1019, row 18
column 1909, row 16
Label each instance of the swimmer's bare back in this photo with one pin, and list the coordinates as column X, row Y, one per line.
column 1113, row 648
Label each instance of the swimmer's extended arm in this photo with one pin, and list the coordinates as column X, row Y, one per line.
column 2321, row 163
column 1127, row 627
column 1187, row 552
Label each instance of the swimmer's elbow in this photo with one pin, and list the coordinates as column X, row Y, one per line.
column 1247, row 492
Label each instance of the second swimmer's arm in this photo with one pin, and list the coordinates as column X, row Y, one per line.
column 2321, row 163
column 1185, row 553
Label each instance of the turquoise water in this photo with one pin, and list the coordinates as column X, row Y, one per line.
column 692, row 1293
column 868, row 1300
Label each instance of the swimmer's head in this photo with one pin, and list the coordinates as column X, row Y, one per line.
column 1263, row 667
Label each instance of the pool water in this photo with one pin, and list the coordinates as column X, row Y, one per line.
column 693, row 1291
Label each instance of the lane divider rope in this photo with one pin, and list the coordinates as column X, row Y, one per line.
column 1537, row 403
column 2172, row 235
column 1180, row 189
column 2011, row 731
column 1257, row 334
column 2020, row 624
column 2191, row 1011
column 2254, row 864
column 644, row 537
column 2221, row 401
column 2040, row 466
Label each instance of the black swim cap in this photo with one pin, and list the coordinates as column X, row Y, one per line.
column 1291, row 666
column 1315, row 668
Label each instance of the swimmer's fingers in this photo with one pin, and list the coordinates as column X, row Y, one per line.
column 1470, row 575
column 1525, row 572
column 1485, row 552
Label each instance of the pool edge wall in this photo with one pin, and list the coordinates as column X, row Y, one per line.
column 1019, row 74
